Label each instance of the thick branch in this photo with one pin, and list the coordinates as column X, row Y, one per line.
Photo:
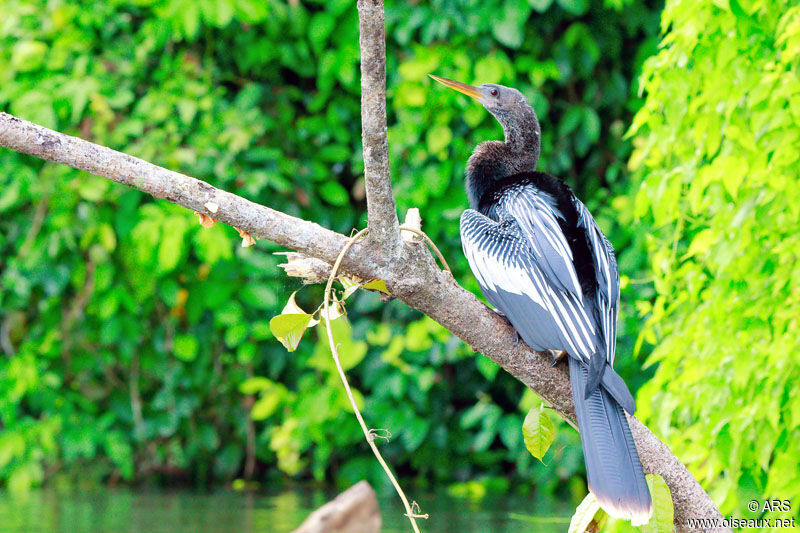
column 413, row 278
column 381, row 210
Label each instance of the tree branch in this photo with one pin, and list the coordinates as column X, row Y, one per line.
column 413, row 278
column 280, row 228
column 381, row 210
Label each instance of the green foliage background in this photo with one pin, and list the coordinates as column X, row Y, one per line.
column 716, row 185
column 141, row 342
column 137, row 346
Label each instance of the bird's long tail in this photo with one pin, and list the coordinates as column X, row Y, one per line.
column 612, row 464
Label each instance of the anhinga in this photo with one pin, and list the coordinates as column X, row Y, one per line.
column 542, row 262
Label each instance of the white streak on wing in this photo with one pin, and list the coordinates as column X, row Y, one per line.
column 577, row 317
column 554, row 235
column 476, row 261
column 608, row 280
column 494, row 264
column 501, row 260
column 536, row 217
column 551, row 304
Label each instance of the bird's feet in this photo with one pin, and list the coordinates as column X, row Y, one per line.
column 557, row 355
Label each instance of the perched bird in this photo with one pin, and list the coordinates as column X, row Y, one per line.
column 543, row 263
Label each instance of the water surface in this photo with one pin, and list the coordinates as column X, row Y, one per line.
column 149, row 511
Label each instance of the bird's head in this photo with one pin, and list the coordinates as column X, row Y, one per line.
column 502, row 102
column 512, row 111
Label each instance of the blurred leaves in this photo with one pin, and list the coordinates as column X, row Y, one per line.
column 131, row 328
column 715, row 160
column 663, row 511
column 588, row 516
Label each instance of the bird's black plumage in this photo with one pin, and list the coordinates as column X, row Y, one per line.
column 540, row 258
column 564, row 204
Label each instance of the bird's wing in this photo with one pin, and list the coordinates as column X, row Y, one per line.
column 607, row 276
column 515, row 278
column 537, row 218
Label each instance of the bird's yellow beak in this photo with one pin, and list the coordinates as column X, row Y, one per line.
column 469, row 90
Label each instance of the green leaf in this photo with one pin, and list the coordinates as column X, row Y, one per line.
column 509, row 27
column 259, row 295
column 320, row 28
column 663, row 511
column 36, row 107
column 591, row 124
column 420, row 66
column 190, row 18
column 487, row 367
column 12, row 445
column 333, row 193
column 740, row 13
column 267, row 403
column 20, row 480
column 185, row 347
column 509, row 432
column 377, row 285
column 508, row 32
column 28, row 55
column 587, row 512
column 236, row 334
column 246, row 353
column 438, row 138
column 538, row 431
column 212, row 244
column 291, row 324
column 540, row 5
column 350, row 286
column 172, row 243
column 570, row 120
column 733, row 174
column 575, row 7
column 9, row 196
column 106, row 236
column 489, row 69
column 255, row 384
column 702, row 243
column 289, row 328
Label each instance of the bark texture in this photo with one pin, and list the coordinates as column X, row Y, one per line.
column 381, row 211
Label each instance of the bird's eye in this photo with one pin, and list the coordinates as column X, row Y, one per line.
column 493, row 92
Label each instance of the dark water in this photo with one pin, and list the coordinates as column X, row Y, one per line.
column 138, row 511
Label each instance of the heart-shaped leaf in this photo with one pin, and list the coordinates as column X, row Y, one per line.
column 538, row 432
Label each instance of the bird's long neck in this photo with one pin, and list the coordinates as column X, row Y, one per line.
column 523, row 136
column 495, row 160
